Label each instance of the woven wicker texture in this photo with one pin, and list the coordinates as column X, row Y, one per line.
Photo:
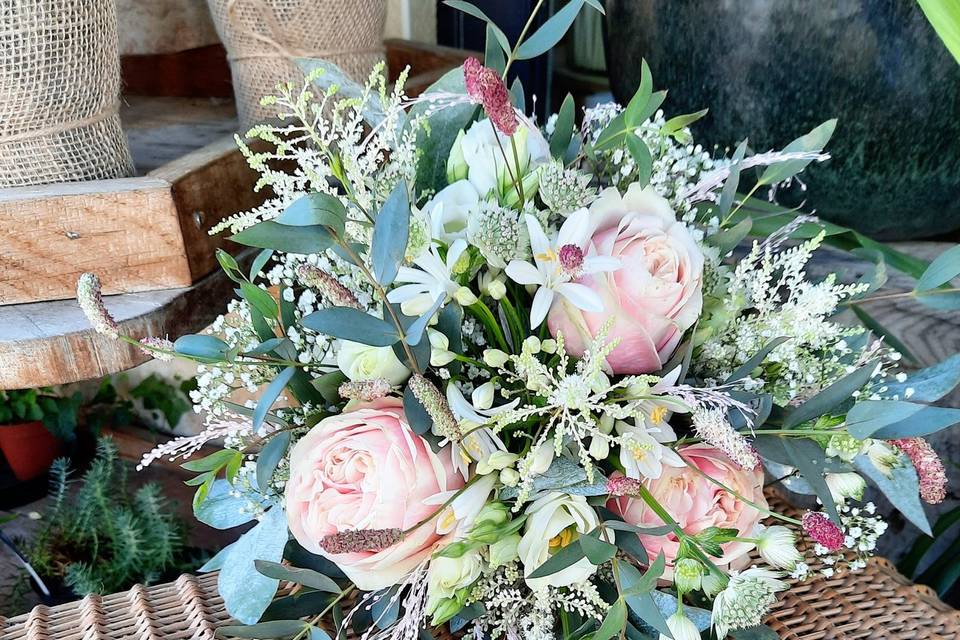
column 263, row 37
column 876, row 602
column 59, row 92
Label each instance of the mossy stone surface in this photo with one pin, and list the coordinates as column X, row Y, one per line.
column 771, row 70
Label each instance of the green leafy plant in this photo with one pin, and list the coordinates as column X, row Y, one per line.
column 58, row 413
column 102, row 537
column 944, row 15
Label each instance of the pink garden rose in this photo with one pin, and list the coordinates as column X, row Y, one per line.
column 696, row 503
column 654, row 297
column 367, row 469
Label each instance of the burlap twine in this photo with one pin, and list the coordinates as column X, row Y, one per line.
column 263, row 37
column 59, row 92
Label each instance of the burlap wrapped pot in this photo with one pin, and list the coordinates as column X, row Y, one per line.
column 264, row 37
column 59, row 93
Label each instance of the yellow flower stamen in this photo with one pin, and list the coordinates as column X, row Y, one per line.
column 562, row 539
column 658, row 414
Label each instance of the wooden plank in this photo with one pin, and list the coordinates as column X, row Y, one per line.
column 127, row 230
column 200, row 206
column 199, row 72
column 48, row 343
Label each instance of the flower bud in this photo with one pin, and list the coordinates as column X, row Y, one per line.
column 495, row 513
column 504, row 550
column 548, row 346
column 440, row 354
column 443, row 610
column 457, row 168
column 606, row 424
column 509, row 477
column 688, row 575
column 681, row 628
column 599, row 448
column 532, row 345
column 482, row 396
column 542, row 459
column 465, row 297
column 845, row 485
column 495, row 357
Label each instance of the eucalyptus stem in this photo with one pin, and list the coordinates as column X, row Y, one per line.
column 357, row 260
column 518, row 179
column 740, row 205
column 523, row 34
column 317, row 618
column 900, row 294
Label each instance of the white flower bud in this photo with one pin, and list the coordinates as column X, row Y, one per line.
column 532, row 345
column 440, row 354
column 509, row 477
column 599, row 448
column 495, row 357
column 549, row 345
column 464, row 296
column 606, row 424
column 504, row 550
column 681, row 628
column 542, row 458
column 845, row 485
column 482, row 396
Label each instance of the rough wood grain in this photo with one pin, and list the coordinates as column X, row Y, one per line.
column 50, row 343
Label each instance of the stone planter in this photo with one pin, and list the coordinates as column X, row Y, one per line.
column 771, row 70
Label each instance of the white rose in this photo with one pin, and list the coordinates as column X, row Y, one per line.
column 553, row 521
column 450, row 209
column 448, row 575
column 363, row 362
column 487, row 169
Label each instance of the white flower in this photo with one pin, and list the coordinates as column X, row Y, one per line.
column 681, row 627
column 432, row 281
column 504, row 550
column 448, row 575
column 484, row 155
column 460, row 514
column 643, row 452
column 778, row 547
column 480, row 443
column 553, row 521
column 745, row 600
column 845, row 485
column 556, row 265
column 362, row 362
column 440, row 354
column 450, row 209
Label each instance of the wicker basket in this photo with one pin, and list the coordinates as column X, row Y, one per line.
column 876, row 602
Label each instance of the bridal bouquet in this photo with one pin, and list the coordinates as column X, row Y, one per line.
column 529, row 380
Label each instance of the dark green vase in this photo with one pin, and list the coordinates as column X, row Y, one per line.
column 771, row 70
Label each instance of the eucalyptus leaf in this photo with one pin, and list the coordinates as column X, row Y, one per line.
column 597, row 551
column 551, row 32
column 258, row 263
column 942, row 270
column 333, row 76
column 831, row 397
column 273, row 235
column 201, row 346
column 901, row 487
column 755, row 360
column 642, row 603
column 641, row 155
column 390, row 233
column 493, row 54
column 517, row 96
column 270, row 395
column 565, row 475
column 305, row 577
column 814, row 141
column 436, row 140
column 927, row 385
column 759, row 632
column 269, row 458
column 613, row 621
column 315, row 208
column 415, row 331
column 474, row 11
column 889, row 419
column 676, row 124
column 727, row 240
column 732, row 183
column 246, row 593
column 352, row 324
column 563, row 128
column 940, row 299
column 667, row 603
column 809, row 459
column 260, row 299
column 221, row 509
column 417, row 416
column 641, row 98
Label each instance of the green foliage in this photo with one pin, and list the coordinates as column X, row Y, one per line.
column 58, row 414
column 944, row 15
column 101, row 537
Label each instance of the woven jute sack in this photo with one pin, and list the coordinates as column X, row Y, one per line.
column 263, row 38
column 60, row 92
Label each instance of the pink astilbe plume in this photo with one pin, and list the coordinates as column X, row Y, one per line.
column 822, row 530
column 933, row 478
column 485, row 87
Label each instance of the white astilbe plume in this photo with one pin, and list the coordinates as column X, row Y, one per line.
column 227, row 426
column 411, row 593
column 713, row 427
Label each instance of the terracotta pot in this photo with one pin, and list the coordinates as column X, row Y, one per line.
column 29, row 448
